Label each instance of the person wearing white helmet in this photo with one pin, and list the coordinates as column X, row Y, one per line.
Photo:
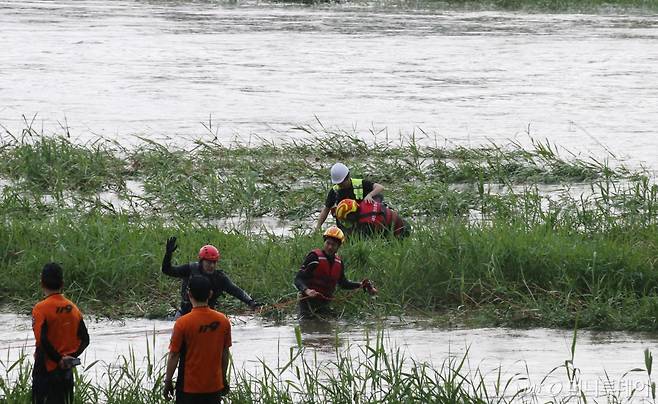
column 346, row 187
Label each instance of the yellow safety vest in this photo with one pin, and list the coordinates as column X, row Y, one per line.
column 357, row 186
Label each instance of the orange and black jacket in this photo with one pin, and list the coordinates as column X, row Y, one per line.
column 59, row 330
column 201, row 337
column 322, row 273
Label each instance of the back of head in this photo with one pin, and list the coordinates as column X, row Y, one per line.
column 339, row 172
column 52, row 276
column 200, row 288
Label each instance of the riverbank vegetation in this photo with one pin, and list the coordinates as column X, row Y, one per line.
column 502, row 235
column 372, row 373
column 554, row 6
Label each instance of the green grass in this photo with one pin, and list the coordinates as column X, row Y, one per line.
column 554, row 6
column 286, row 180
column 488, row 247
column 502, row 273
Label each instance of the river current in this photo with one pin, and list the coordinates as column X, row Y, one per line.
column 159, row 69
column 524, row 356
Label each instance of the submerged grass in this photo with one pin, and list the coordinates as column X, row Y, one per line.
column 490, row 244
column 286, row 180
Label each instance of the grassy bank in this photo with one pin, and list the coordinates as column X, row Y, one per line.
column 372, row 374
column 500, row 274
column 555, row 6
column 503, row 235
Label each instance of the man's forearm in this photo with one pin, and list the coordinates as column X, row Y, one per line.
column 172, row 362
column 300, row 283
column 166, row 263
column 225, row 357
column 376, row 190
column 323, row 216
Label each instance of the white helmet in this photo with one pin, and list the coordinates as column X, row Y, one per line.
column 339, row 172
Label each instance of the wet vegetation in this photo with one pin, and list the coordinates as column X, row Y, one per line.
column 502, row 235
column 557, row 6
column 212, row 180
column 373, row 373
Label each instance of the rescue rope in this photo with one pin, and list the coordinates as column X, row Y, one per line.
column 282, row 305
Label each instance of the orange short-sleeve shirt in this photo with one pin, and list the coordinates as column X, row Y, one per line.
column 203, row 334
column 61, row 320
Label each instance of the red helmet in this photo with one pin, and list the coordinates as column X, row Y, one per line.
column 209, row 253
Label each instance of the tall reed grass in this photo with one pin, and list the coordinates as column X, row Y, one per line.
column 557, row 6
column 490, row 246
column 507, row 273
column 288, row 180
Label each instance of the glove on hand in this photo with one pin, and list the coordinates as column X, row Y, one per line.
column 171, row 245
column 368, row 287
column 254, row 304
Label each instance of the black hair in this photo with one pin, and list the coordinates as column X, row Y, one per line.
column 200, row 288
column 52, row 276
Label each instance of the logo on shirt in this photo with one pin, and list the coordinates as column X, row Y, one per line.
column 64, row 309
column 209, row 327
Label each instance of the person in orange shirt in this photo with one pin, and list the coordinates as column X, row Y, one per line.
column 199, row 346
column 61, row 336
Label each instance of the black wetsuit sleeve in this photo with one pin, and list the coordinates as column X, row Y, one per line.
column 232, row 289
column 83, row 334
column 346, row 283
column 305, row 272
column 181, row 271
column 48, row 348
column 330, row 201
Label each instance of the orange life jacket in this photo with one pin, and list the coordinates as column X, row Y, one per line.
column 380, row 217
column 326, row 276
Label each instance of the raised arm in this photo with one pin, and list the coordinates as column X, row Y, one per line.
column 181, row 271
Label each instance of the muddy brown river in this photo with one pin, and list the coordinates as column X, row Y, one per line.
column 529, row 353
column 259, row 68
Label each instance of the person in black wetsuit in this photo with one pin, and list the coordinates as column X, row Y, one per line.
column 320, row 273
column 206, row 266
